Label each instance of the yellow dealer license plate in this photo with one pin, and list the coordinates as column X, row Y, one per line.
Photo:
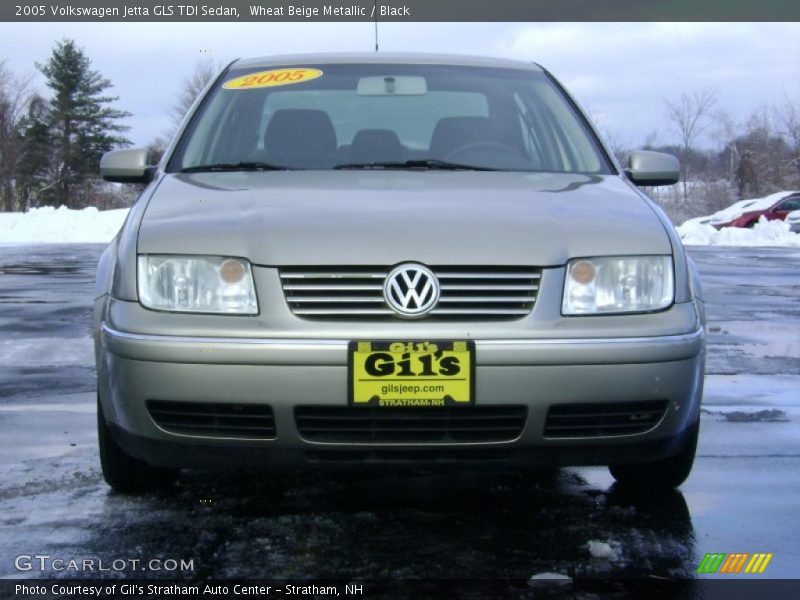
column 411, row 373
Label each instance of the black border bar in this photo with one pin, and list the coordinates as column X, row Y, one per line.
column 152, row 11
column 652, row 588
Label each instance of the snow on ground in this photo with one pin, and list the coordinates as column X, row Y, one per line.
column 548, row 579
column 48, row 225
column 47, row 352
column 764, row 233
column 600, row 549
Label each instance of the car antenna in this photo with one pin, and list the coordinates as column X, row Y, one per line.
column 375, row 14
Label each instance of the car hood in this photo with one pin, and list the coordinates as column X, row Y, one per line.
column 387, row 217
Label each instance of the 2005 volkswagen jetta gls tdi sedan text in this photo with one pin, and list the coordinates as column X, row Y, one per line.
column 381, row 259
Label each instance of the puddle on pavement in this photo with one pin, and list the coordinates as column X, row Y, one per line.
column 39, row 269
column 761, row 416
column 760, row 339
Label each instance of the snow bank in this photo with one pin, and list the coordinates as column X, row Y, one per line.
column 764, row 233
column 546, row 580
column 48, row 225
column 600, row 549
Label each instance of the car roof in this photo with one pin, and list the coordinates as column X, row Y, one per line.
column 393, row 58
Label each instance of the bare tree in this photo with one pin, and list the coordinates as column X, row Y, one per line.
column 724, row 133
column 765, row 157
column 14, row 96
column 787, row 123
column 612, row 138
column 689, row 116
column 651, row 139
column 204, row 72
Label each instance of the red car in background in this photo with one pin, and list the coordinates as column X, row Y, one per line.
column 747, row 213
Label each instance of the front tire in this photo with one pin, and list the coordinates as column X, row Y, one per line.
column 123, row 472
column 667, row 473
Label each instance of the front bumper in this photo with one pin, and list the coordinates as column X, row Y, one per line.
column 285, row 373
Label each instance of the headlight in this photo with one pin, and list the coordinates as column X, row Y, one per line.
column 203, row 284
column 618, row 284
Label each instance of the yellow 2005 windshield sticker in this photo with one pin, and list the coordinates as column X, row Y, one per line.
column 272, row 78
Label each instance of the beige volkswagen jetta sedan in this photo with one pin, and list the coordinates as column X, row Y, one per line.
column 395, row 259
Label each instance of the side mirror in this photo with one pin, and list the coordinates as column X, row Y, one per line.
column 653, row 168
column 127, row 166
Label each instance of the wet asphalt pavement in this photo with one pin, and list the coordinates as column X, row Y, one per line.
column 742, row 496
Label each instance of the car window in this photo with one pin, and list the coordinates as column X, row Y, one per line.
column 790, row 204
column 411, row 118
column 346, row 115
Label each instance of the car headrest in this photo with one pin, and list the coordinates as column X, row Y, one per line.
column 300, row 138
column 376, row 145
column 452, row 133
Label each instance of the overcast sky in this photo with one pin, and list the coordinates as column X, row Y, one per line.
column 619, row 71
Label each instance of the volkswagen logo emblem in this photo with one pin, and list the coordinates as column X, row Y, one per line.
column 411, row 290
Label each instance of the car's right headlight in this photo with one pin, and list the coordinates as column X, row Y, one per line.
column 618, row 284
column 200, row 284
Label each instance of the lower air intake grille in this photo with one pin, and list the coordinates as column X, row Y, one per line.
column 211, row 419
column 594, row 420
column 473, row 454
column 410, row 425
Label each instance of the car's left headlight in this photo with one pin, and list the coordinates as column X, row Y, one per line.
column 618, row 284
column 201, row 284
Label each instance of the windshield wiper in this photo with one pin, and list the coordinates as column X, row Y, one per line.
column 423, row 163
column 240, row 166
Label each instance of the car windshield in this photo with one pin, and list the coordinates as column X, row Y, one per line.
column 388, row 116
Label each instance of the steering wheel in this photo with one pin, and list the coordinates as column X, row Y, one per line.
column 485, row 145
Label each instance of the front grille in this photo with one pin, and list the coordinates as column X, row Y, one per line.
column 466, row 292
column 410, row 425
column 593, row 420
column 213, row 419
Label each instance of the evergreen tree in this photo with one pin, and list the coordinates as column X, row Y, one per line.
column 81, row 122
column 35, row 172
